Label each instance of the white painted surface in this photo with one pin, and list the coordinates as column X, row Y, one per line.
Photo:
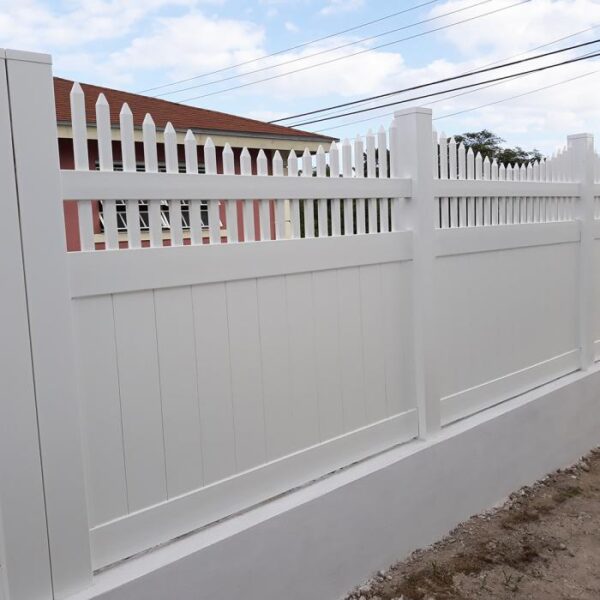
column 33, row 119
column 494, row 318
column 24, row 555
column 275, row 545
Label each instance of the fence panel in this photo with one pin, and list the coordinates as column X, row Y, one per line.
column 285, row 369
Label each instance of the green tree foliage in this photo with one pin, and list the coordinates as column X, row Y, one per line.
column 490, row 145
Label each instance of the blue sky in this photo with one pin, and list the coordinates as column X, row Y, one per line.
column 138, row 44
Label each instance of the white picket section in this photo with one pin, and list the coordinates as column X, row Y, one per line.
column 190, row 147
column 129, row 166
column 334, row 173
column 295, row 202
column 359, row 173
column 382, row 158
column 80, row 154
column 262, row 169
column 279, row 204
column 308, row 204
column 105, row 159
column 231, row 205
column 151, row 166
column 214, row 206
column 321, row 167
column 348, row 202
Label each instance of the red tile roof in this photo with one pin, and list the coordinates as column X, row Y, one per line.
column 181, row 116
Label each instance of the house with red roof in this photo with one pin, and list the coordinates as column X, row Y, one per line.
column 222, row 128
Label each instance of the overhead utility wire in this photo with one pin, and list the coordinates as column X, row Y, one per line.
column 460, row 112
column 536, row 70
column 298, row 46
column 495, row 62
column 436, row 82
column 325, row 51
column 346, row 56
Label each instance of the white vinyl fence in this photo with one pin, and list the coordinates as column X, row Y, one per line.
column 204, row 377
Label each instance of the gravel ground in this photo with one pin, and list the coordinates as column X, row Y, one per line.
column 542, row 544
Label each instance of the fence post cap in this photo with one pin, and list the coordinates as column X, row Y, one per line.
column 413, row 110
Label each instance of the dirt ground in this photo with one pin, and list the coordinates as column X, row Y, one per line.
column 542, row 544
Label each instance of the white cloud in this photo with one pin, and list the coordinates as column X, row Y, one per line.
column 291, row 27
column 337, row 6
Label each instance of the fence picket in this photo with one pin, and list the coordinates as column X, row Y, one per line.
column 308, row 204
column 190, row 147
column 105, row 159
column 172, row 165
column 279, row 204
column 233, row 236
column 382, row 159
column 247, row 205
column 334, row 173
column 347, row 172
column 214, row 206
column 359, row 173
column 371, row 173
column 151, row 166
column 295, row 203
column 262, row 169
column 129, row 166
column 322, row 202
column 80, row 154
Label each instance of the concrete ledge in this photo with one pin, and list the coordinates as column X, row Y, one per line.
column 321, row 540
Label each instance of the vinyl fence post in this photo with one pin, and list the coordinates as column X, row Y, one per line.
column 24, row 555
column 581, row 148
column 36, row 167
column 413, row 159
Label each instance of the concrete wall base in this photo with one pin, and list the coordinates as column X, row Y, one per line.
column 320, row 541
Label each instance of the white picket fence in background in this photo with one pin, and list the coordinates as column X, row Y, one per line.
column 204, row 378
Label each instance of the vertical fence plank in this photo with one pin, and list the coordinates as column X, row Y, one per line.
column 80, row 154
column 141, row 406
column 294, row 204
column 334, row 172
column 262, row 169
column 371, row 173
column 172, row 166
column 214, row 381
column 231, row 205
column 214, row 214
column 248, row 205
column 105, row 158
column 308, row 203
column 128, row 158
column 190, row 148
column 246, row 379
column 322, row 202
column 382, row 159
column 151, row 166
column 181, row 417
column 279, row 203
column 359, row 172
column 347, row 172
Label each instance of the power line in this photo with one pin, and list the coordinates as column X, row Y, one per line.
column 536, row 70
column 298, row 46
column 506, row 58
column 326, row 51
column 546, row 87
column 333, row 60
column 436, row 82
column 484, row 87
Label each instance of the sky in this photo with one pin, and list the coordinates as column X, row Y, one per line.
column 135, row 45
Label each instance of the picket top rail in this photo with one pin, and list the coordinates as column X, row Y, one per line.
column 78, row 185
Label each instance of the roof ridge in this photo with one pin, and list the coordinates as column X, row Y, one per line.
column 282, row 128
